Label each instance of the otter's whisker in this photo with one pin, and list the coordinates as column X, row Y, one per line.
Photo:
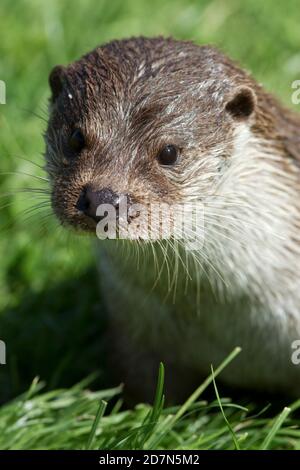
column 20, row 173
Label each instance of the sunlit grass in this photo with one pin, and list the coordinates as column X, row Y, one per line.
column 76, row 418
column 50, row 310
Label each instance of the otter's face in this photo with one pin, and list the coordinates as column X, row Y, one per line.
column 146, row 121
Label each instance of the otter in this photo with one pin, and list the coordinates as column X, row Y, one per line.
column 164, row 121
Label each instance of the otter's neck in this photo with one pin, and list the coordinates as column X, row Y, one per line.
column 252, row 233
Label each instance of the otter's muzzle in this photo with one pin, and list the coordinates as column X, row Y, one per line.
column 90, row 200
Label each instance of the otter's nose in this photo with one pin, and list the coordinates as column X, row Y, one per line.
column 90, row 200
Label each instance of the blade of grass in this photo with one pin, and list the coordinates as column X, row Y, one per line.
column 205, row 384
column 99, row 415
column 170, row 422
column 275, row 428
column 235, row 441
column 159, row 396
column 152, row 418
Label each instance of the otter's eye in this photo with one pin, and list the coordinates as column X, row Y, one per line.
column 77, row 141
column 168, row 155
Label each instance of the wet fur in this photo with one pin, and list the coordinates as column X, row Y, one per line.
column 240, row 154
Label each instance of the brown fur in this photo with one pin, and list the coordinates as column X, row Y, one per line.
column 132, row 97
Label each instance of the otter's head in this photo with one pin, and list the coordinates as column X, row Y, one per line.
column 146, row 120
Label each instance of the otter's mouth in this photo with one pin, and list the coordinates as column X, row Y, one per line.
column 150, row 223
column 104, row 214
column 109, row 215
column 124, row 222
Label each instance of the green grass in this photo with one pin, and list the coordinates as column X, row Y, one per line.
column 51, row 316
column 75, row 418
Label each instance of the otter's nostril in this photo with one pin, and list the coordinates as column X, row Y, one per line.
column 90, row 200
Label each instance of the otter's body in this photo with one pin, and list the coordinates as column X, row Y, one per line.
column 189, row 334
column 245, row 292
column 166, row 121
column 193, row 316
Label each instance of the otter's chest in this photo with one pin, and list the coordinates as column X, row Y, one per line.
column 195, row 328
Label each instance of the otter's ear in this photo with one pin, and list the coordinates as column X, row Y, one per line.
column 241, row 104
column 56, row 81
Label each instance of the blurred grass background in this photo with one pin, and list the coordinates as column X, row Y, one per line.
column 50, row 309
